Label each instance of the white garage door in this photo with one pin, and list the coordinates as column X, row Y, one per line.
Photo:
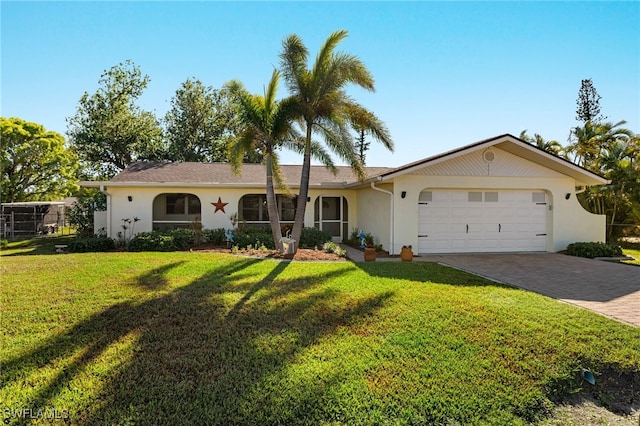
column 459, row 221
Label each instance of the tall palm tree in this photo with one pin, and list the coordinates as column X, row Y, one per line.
column 325, row 108
column 266, row 126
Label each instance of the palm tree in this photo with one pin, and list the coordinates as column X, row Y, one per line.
column 590, row 141
column 266, row 126
column 616, row 160
column 325, row 108
column 551, row 146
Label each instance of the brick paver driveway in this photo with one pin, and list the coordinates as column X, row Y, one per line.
column 608, row 288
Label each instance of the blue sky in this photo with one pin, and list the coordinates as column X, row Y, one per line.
column 447, row 73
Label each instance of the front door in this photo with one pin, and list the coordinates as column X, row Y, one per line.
column 331, row 215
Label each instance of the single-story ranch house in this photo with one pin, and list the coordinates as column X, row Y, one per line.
column 497, row 195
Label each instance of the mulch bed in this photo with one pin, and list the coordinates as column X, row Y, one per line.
column 301, row 254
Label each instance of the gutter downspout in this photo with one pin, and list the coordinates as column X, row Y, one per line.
column 103, row 189
column 373, row 186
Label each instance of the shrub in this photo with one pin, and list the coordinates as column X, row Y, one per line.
column 4, row 243
column 591, row 250
column 313, row 237
column 369, row 240
column 152, row 241
column 182, row 238
column 253, row 237
column 331, row 247
column 91, row 244
column 214, row 236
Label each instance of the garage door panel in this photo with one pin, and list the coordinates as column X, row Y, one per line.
column 476, row 221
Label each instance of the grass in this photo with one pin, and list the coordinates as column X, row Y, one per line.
column 39, row 245
column 635, row 253
column 196, row 338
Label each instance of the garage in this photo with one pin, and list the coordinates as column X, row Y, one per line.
column 468, row 221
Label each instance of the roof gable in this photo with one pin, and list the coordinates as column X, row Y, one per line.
column 524, row 160
column 474, row 164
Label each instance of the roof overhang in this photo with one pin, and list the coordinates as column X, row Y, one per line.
column 102, row 185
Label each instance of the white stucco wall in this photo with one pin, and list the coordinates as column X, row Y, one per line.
column 374, row 214
column 142, row 204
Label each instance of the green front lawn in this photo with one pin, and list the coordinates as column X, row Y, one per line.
column 633, row 253
column 200, row 338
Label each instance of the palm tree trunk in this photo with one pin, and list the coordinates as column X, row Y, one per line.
column 615, row 210
column 272, row 205
column 304, row 189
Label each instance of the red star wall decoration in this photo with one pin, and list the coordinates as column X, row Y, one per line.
column 219, row 205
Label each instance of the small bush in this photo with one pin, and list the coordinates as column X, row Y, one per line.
column 152, row 241
column 182, row 238
column 214, row 236
column 4, row 243
column 313, row 237
column 91, row 244
column 170, row 240
column 253, row 237
column 591, row 250
column 354, row 239
column 331, row 247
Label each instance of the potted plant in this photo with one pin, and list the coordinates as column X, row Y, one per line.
column 406, row 254
column 370, row 253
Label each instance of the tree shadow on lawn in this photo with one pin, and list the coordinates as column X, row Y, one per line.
column 427, row 272
column 196, row 359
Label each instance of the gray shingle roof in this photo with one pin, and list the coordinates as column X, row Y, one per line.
column 221, row 173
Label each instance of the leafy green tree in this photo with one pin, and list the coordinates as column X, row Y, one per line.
column 552, row 146
column 81, row 215
column 109, row 131
column 36, row 164
column 201, row 124
column 324, row 106
column 588, row 110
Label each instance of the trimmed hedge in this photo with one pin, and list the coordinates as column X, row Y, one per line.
column 591, row 250
column 91, row 244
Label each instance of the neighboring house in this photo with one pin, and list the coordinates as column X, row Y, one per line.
column 497, row 195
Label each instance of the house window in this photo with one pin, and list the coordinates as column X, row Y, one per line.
column 180, row 204
column 253, row 208
column 475, row 197
column 491, row 197
column 538, row 197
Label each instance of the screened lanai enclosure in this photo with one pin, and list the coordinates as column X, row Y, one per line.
column 31, row 218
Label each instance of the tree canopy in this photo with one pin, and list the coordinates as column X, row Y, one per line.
column 109, row 131
column 36, row 164
column 588, row 103
column 201, row 123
